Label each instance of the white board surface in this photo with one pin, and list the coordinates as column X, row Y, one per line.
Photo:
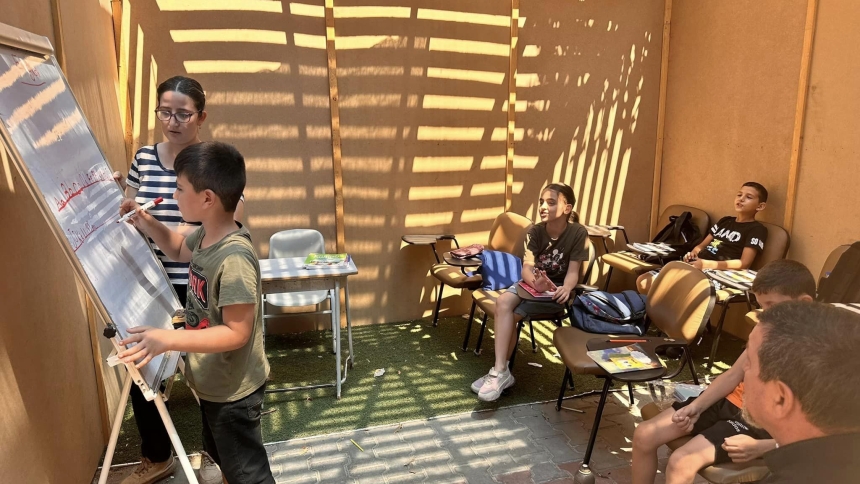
column 71, row 180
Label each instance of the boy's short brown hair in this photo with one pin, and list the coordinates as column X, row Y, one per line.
column 787, row 277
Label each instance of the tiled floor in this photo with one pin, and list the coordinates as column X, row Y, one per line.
column 525, row 444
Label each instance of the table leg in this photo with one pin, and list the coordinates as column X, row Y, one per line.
column 350, row 359
column 336, row 317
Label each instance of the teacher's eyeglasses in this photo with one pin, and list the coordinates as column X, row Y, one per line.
column 181, row 116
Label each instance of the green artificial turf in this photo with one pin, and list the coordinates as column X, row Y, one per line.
column 426, row 375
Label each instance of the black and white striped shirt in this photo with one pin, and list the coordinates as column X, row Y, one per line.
column 153, row 180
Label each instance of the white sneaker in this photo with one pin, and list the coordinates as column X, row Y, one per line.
column 148, row 472
column 494, row 384
column 209, row 472
column 477, row 384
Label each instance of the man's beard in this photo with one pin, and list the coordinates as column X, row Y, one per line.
column 745, row 414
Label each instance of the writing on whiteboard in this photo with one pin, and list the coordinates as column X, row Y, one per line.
column 32, row 75
column 77, row 237
column 72, row 188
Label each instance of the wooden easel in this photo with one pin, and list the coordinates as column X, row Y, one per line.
column 151, row 395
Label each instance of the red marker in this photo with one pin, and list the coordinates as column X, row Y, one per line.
column 143, row 208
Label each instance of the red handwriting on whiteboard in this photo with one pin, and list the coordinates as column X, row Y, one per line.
column 32, row 76
column 74, row 187
column 77, row 237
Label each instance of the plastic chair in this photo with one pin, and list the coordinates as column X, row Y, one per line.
column 507, row 234
column 296, row 243
column 628, row 262
column 679, row 304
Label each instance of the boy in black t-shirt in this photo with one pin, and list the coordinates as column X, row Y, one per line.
column 733, row 243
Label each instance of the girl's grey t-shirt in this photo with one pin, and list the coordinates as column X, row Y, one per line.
column 554, row 255
column 224, row 274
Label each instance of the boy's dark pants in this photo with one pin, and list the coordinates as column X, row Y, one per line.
column 233, row 437
column 154, row 442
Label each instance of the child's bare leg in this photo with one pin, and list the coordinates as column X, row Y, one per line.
column 643, row 283
column 647, row 438
column 685, row 462
column 505, row 326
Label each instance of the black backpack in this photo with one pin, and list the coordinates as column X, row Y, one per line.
column 843, row 284
column 680, row 233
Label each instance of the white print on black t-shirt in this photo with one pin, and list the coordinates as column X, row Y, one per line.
column 756, row 241
column 731, row 236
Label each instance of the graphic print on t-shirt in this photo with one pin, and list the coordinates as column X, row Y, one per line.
column 551, row 261
column 730, row 237
column 198, row 285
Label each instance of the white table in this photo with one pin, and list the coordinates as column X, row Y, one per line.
column 289, row 275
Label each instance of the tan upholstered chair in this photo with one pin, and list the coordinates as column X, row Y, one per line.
column 679, row 304
column 507, row 234
column 626, row 261
column 486, row 300
column 729, row 473
column 776, row 248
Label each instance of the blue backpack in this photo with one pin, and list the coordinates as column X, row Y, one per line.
column 606, row 313
column 499, row 270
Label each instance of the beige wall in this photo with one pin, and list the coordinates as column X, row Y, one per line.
column 50, row 424
column 827, row 212
column 734, row 67
column 423, row 148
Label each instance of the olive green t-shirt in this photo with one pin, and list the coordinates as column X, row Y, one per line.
column 223, row 274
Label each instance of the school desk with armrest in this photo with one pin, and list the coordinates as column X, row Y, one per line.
column 776, row 248
column 630, row 263
column 507, row 234
column 679, row 304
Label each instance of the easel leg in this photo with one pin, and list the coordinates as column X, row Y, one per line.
column 336, row 317
column 174, row 438
column 114, row 431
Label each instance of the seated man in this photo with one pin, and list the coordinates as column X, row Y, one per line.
column 714, row 418
column 734, row 242
column 803, row 387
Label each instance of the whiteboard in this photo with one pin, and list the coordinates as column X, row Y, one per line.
column 68, row 175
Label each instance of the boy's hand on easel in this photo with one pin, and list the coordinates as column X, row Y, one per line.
column 129, row 205
column 151, row 342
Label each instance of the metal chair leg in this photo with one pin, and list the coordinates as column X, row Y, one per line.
column 481, row 335
column 438, row 305
column 516, row 345
column 718, row 331
column 608, row 276
column 469, row 325
column 567, row 377
column 689, row 356
column 630, row 392
column 584, row 474
column 532, row 331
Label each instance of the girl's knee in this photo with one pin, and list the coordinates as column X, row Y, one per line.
column 689, row 459
column 507, row 302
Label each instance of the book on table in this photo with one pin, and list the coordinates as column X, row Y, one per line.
column 624, row 358
column 315, row 260
column 537, row 294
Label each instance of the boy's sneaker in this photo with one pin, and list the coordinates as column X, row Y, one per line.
column 148, row 472
column 209, row 472
column 494, row 384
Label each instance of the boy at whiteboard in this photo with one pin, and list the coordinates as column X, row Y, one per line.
column 226, row 365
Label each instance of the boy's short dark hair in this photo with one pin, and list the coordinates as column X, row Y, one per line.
column 787, row 277
column 215, row 166
column 762, row 191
